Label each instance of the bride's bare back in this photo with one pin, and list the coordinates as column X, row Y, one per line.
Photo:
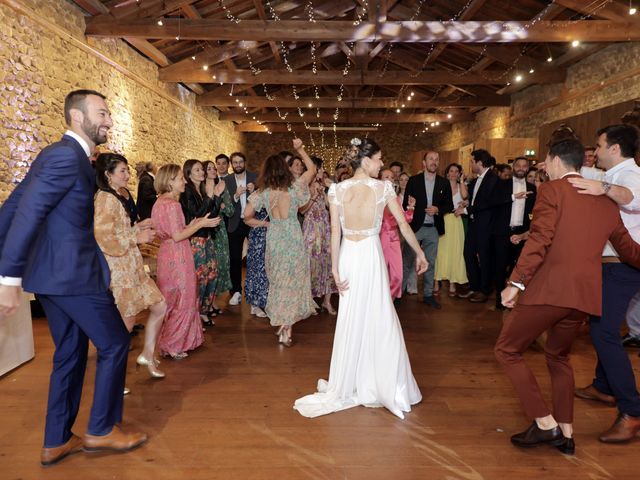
column 360, row 205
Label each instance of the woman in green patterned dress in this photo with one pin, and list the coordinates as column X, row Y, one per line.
column 286, row 260
column 216, row 187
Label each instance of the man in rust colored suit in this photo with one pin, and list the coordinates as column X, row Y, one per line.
column 558, row 279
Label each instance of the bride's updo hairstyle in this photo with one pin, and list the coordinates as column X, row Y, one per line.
column 359, row 149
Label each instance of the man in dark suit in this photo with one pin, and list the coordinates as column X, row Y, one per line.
column 511, row 219
column 240, row 184
column 433, row 200
column 484, row 196
column 146, row 192
column 47, row 245
column 558, row 279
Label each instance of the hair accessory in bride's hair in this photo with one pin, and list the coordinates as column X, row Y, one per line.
column 355, row 141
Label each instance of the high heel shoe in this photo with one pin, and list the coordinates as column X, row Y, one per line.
column 151, row 366
column 206, row 321
column 329, row 308
column 285, row 339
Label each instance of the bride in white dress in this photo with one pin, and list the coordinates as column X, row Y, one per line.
column 369, row 362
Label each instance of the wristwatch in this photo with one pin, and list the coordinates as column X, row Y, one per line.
column 519, row 286
column 606, row 186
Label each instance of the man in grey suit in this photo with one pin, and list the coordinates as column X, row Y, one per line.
column 240, row 184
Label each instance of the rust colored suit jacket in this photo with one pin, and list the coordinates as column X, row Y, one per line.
column 561, row 262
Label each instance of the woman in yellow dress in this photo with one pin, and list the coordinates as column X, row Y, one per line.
column 450, row 260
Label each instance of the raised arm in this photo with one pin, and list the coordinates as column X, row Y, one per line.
column 310, row 174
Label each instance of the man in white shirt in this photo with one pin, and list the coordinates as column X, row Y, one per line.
column 512, row 217
column 614, row 382
column 240, row 185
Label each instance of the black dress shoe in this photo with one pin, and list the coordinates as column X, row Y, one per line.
column 432, row 302
column 568, row 446
column 630, row 341
column 534, row 436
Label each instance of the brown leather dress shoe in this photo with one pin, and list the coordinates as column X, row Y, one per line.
column 49, row 456
column 478, row 297
column 625, row 428
column 592, row 393
column 117, row 441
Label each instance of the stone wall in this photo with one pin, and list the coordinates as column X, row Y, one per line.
column 607, row 77
column 44, row 55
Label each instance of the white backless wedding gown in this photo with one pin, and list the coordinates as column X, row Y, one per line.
column 369, row 362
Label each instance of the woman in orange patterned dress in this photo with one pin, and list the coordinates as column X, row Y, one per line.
column 132, row 288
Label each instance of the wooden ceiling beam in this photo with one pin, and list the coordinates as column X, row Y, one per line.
column 349, row 116
column 146, row 8
column 346, row 31
column 468, row 13
column 611, row 10
column 255, row 127
column 149, row 50
column 94, row 7
column 263, row 16
column 191, row 12
column 355, row 77
column 215, row 100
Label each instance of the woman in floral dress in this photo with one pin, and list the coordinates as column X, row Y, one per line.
column 316, row 230
column 286, row 262
column 177, row 281
column 256, row 284
column 196, row 203
column 216, row 187
column 133, row 290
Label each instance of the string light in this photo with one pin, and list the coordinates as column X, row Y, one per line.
column 575, row 43
column 228, row 12
column 160, row 23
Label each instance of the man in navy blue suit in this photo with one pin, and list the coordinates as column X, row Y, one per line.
column 47, row 246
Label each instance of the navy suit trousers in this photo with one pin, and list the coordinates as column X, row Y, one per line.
column 614, row 374
column 73, row 320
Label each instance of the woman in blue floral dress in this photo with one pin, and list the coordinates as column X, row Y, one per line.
column 256, row 284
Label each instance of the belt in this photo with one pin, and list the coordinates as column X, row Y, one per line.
column 611, row 260
column 427, row 224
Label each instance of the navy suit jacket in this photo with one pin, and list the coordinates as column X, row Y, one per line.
column 46, row 226
column 442, row 199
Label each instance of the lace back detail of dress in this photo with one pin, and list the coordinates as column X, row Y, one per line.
column 361, row 204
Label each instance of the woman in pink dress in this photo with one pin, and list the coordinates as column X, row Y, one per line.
column 390, row 240
column 181, row 330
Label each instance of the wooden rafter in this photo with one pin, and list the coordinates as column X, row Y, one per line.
column 346, row 31
column 355, row 77
column 351, row 117
column 279, row 127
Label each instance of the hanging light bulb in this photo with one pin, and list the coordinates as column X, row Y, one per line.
column 575, row 43
column 160, row 23
column 518, row 78
column 549, row 59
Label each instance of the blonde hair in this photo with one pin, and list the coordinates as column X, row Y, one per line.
column 166, row 174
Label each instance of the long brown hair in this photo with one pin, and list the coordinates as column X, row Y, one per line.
column 275, row 174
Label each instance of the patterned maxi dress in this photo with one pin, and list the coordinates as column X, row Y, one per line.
column 181, row 330
column 132, row 288
column 256, row 285
column 316, row 231
column 286, row 260
column 221, row 244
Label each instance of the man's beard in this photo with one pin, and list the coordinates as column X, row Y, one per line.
column 93, row 132
column 238, row 170
column 520, row 174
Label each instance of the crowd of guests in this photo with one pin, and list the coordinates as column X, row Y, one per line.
column 201, row 213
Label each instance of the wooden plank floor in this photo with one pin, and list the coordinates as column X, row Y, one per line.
column 226, row 411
